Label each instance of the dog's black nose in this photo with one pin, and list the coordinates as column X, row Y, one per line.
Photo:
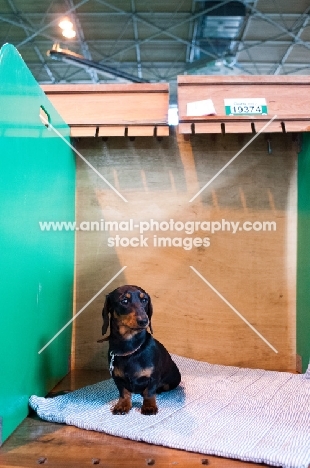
column 143, row 322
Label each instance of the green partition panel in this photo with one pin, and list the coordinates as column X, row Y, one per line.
column 37, row 183
column 303, row 253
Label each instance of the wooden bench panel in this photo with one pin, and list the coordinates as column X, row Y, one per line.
column 288, row 98
column 112, row 108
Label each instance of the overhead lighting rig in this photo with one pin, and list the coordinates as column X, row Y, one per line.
column 78, row 60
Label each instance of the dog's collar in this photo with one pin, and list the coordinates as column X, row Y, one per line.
column 113, row 354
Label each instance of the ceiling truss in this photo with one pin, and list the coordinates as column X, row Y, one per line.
column 156, row 41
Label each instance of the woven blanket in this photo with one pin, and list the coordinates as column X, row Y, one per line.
column 247, row 414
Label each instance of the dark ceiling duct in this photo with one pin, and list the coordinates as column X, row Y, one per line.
column 217, row 31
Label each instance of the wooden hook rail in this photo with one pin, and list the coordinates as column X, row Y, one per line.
column 112, row 110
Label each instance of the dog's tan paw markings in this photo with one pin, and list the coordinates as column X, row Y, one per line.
column 121, row 409
column 149, row 410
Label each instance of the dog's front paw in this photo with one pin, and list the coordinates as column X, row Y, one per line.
column 149, row 408
column 121, row 407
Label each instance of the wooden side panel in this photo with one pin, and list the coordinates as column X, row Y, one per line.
column 254, row 270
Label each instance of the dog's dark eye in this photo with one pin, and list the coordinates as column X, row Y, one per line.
column 124, row 301
column 144, row 300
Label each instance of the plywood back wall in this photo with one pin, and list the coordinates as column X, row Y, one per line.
column 254, row 271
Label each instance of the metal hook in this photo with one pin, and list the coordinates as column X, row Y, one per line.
column 269, row 146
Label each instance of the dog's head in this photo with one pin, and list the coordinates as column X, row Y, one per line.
column 130, row 306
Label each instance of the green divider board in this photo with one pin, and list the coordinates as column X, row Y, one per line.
column 303, row 253
column 37, row 183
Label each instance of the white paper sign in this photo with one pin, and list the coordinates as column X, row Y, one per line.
column 199, row 108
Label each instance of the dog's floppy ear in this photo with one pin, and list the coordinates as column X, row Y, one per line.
column 150, row 313
column 105, row 314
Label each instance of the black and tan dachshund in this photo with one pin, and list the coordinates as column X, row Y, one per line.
column 138, row 363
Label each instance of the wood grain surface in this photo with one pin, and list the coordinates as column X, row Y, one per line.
column 253, row 271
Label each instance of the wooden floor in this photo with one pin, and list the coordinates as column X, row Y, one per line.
column 36, row 442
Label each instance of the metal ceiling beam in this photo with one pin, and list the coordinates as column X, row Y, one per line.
column 272, row 43
column 36, row 49
column 136, row 36
column 290, row 48
column 267, row 64
column 51, row 23
column 25, row 27
column 101, row 14
column 248, row 44
column 118, row 41
column 297, row 70
column 166, row 37
column 168, row 41
column 176, row 38
column 45, row 66
column 193, row 44
column 278, row 26
column 192, row 36
column 43, row 17
column 167, row 30
column 81, row 39
column 245, row 45
column 245, row 31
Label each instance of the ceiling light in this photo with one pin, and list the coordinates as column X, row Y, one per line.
column 65, row 24
column 67, row 28
column 68, row 33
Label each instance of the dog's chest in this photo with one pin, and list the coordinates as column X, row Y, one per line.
column 134, row 373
